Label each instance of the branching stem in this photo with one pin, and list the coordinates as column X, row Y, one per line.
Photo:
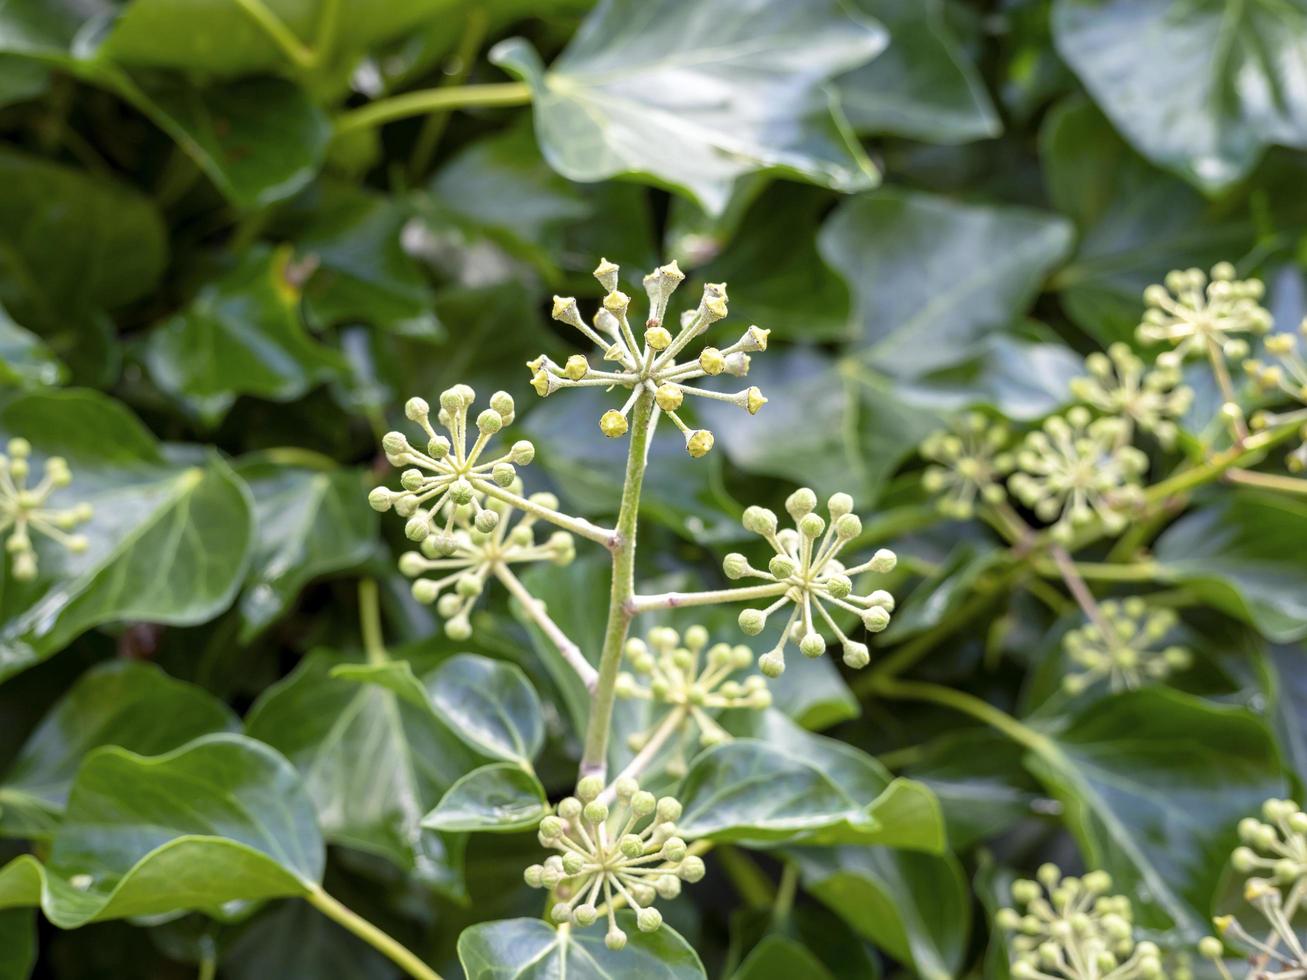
column 370, row 622
column 535, row 610
column 676, row 600
column 575, row 525
column 427, row 100
column 665, row 730
column 381, row 941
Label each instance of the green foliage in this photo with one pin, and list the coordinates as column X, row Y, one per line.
column 237, row 235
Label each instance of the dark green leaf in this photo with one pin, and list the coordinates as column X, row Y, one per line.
column 1227, row 87
column 931, row 277
column 781, row 958
column 134, row 706
column 1243, row 553
column 1153, row 783
column 17, row 944
column 1136, row 223
column 923, row 86
column 914, row 906
column 500, row 797
column 529, row 949
column 627, row 96
column 168, row 542
column 242, row 335
column 24, row 358
column 312, row 520
column 219, row 820
column 294, row 941
column 372, row 763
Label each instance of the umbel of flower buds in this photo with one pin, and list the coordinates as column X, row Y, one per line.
column 629, row 850
column 1202, row 316
column 1119, row 384
column 454, row 579
column 810, row 578
column 24, row 509
column 1071, row 927
column 684, row 672
column 447, row 470
column 1289, row 375
column 1130, row 653
column 1274, row 854
column 649, row 363
column 969, row 465
column 1077, row 467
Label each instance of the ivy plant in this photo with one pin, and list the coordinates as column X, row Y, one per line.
column 658, row 489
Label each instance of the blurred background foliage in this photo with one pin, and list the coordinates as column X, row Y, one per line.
column 228, row 249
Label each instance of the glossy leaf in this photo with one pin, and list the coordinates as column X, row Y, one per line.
column 931, row 277
column 500, row 797
column 373, row 764
column 312, row 520
column 923, row 86
column 17, row 944
column 1243, row 553
column 530, row 949
column 634, row 94
column 1228, row 87
column 778, row 957
column 221, row 819
column 913, row 906
column 24, row 358
column 1153, row 783
column 1135, row 222
column 242, row 335
column 259, row 140
column 168, row 542
column 130, row 705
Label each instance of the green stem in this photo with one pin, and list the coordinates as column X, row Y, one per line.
column 402, row 957
column 1144, row 571
column 575, row 525
column 969, row 705
column 785, row 893
column 278, row 32
column 1081, row 592
column 535, row 611
column 1267, row 481
column 594, row 761
column 423, row 101
column 754, row 887
column 669, row 727
column 676, row 600
column 370, row 622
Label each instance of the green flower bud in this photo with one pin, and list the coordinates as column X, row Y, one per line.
column 752, row 621
column 589, row 788
column 691, row 869
column 648, row 919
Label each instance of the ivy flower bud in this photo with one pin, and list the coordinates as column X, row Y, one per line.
column 711, row 361
column 698, row 442
column 658, row 338
column 613, row 424
column 668, row 397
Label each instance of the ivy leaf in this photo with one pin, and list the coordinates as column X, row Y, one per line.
column 1153, row 783
column 932, row 277
column 134, row 706
column 530, row 949
column 500, row 797
column 258, row 139
column 241, row 335
column 488, row 704
column 24, row 357
column 636, row 92
column 1243, row 553
column 1226, row 89
column 771, row 792
column 221, row 819
column 1135, row 222
column 916, row 907
column 168, row 542
column 352, row 237
column 69, row 241
column 313, row 520
column 372, row 763
column 17, row 944
column 779, row 957
column 923, row 86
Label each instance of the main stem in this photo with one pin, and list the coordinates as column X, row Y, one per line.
column 425, row 101
column 385, row 944
column 594, row 761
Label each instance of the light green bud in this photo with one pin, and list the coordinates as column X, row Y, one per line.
column 800, row 502
column 691, row 868
column 812, row 645
column 523, row 452
column 752, row 621
column 735, row 565
column 648, row 919
column 589, row 788
column 585, row 914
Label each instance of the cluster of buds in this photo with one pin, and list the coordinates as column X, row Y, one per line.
column 1274, row 852
column 1124, row 647
column 969, row 465
column 1071, row 927
column 1077, row 467
column 1120, row 384
column 805, row 572
column 629, row 850
column 684, row 673
column 1288, row 375
column 468, row 556
column 23, row 509
column 651, row 366
column 449, row 471
column 1202, row 316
